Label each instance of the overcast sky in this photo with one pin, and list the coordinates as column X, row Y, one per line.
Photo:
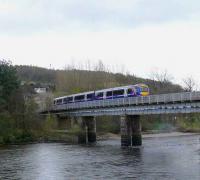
column 139, row 36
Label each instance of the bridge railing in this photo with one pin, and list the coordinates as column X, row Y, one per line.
column 133, row 101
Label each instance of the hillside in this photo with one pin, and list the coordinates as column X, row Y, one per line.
column 74, row 80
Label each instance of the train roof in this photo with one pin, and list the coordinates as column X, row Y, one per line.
column 83, row 93
column 111, row 89
column 121, row 87
column 71, row 95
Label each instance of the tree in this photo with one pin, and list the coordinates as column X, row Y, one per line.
column 161, row 76
column 162, row 82
column 9, row 83
column 189, row 84
column 100, row 66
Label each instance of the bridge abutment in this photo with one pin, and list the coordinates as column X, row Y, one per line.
column 131, row 131
column 63, row 123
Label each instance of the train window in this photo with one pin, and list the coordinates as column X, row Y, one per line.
column 109, row 93
column 54, row 102
column 130, row 91
column 118, row 92
column 90, row 96
column 99, row 95
column 65, row 100
column 79, row 98
column 70, row 99
column 59, row 101
column 145, row 89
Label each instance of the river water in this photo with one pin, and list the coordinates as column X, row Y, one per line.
column 158, row 158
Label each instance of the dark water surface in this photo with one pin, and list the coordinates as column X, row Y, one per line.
column 158, row 158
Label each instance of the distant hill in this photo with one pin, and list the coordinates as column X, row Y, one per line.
column 36, row 74
column 74, row 80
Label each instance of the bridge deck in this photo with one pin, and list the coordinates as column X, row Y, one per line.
column 186, row 102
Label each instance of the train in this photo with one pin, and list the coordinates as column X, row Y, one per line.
column 111, row 93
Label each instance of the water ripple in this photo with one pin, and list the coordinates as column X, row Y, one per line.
column 158, row 158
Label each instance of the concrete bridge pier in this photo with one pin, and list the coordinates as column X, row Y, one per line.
column 136, row 130
column 82, row 137
column 125, row 131
column 131, row 131
column 87, row 133
column 91, row 129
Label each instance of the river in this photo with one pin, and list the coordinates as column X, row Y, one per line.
column 158, row 158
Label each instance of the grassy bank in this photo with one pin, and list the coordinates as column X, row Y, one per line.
column 189, row 124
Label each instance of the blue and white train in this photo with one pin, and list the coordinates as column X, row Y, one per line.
column 111, row 93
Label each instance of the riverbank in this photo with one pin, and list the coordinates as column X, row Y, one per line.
column 64, row 137
column 145, row 135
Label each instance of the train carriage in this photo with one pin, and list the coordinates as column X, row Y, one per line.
column 111, row 93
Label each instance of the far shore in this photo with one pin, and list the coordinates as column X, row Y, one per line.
column 107, row 136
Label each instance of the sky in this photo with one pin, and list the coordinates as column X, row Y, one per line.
column 135, row 36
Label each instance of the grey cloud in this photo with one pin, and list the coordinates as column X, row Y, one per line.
column 73, row 15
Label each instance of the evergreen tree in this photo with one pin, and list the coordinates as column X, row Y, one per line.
column 9, row 83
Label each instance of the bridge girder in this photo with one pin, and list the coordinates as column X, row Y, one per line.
column 136, row 110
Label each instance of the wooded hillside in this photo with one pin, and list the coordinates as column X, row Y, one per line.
column 75, row 80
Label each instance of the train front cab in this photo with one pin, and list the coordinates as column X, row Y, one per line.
column 142, row 90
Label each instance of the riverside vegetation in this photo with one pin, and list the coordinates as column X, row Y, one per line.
column 20, row 122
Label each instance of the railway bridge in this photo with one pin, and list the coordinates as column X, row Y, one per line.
column 130, row 109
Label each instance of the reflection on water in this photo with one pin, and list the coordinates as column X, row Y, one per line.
column 158, row 158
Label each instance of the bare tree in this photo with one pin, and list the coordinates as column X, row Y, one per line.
column 189, row 84
column 161, row 81
column 162, row 76
column 100, row 66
